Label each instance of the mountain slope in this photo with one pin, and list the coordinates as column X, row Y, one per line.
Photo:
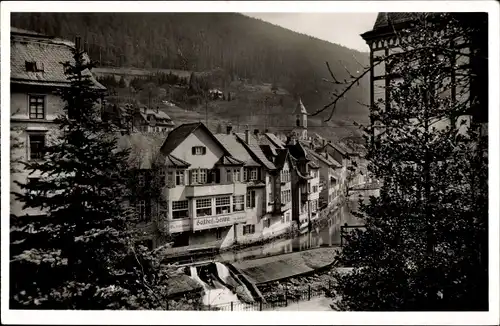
column 243, row 47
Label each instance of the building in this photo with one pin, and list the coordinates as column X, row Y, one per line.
column 276, row 168
column 383, row 39
column 257, row 176
column 151, row 120
column 205, row 197
column 36, row 76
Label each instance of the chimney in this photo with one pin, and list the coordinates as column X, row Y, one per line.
column 247, row 136
column 228, row 129
column 157, row 109
column 144, row 110
column 256, row 132
column 324, row 142
column 266, row 131
column 77, row 42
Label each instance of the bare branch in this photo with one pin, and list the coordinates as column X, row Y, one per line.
column 354, row 57
column 331, row 73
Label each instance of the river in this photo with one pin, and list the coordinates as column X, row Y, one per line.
column 329, row 235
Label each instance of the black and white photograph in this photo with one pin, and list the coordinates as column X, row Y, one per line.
column 217, row 157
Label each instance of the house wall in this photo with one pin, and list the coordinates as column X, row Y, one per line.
column 199, row 138
column 21, row 127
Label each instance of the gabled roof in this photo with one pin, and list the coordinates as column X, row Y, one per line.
column 275, row 140
column 48, row 53
column 229, row 160
column 236, row 149
column 172, row 161
column 158, row 115
column 300, row 108
column 255, row 150
column 177, row 136
column 281, row 158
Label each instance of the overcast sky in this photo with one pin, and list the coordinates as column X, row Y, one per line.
column 340, row 28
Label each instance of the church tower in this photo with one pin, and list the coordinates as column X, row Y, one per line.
column 300, row 114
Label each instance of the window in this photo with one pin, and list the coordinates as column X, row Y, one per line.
column 270, row 197
column 267, row 223
column 170, row 179
column 237, row 175
column 287, row 219
column 229, row 176
column 248, row 229
column 253, row 174
column 238, row 203
column 245, row 175
column 180, row 209
column 315, row 188
column 162, row 176
column 37, row 147
column 251, row 199
column 222, row 205
column 179, row 178
column 198, row 150
column 218, row 233
column 194, row 176
column 203, row 207
column 32, row 66
column 213, row 176
column 141, row 209
column 202, row 176
column 285, row 196
column 141, row 179
column 37, row 106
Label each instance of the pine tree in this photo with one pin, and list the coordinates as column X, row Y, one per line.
column 80, row 254
column 425, row 245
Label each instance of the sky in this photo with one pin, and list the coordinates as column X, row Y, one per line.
column 340, row 28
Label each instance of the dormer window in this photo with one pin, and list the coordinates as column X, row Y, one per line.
column 32, row 66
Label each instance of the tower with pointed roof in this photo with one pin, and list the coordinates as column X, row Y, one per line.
column 300, row 114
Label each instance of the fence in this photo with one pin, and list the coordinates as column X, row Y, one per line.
column 282, row 300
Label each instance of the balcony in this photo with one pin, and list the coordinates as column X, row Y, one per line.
column 215, row 189
column 216, row 221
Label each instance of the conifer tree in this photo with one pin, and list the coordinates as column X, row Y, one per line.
column 425, row 245
column 80, row 254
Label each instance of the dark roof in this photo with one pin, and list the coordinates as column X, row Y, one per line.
column 275, row 140
column 172, row 161
column 281, row 158
column 48, row 53
column 300, row 108
column 177, row 136
column 255, row 150
column 384, row 19
column 236, row 148
column 229, row 160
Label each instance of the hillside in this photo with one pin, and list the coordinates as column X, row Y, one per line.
column 248, row 51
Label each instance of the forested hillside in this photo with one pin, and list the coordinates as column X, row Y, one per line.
column 244, row 48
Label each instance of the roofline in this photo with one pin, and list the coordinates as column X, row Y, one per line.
column 254, row 157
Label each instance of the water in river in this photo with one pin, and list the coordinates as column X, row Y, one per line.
column 329, row 235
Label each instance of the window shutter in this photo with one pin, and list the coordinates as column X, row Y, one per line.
column 244, row 229
column 204, row 150
column 210, row 176
column 217, row 176
column 193, row 150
